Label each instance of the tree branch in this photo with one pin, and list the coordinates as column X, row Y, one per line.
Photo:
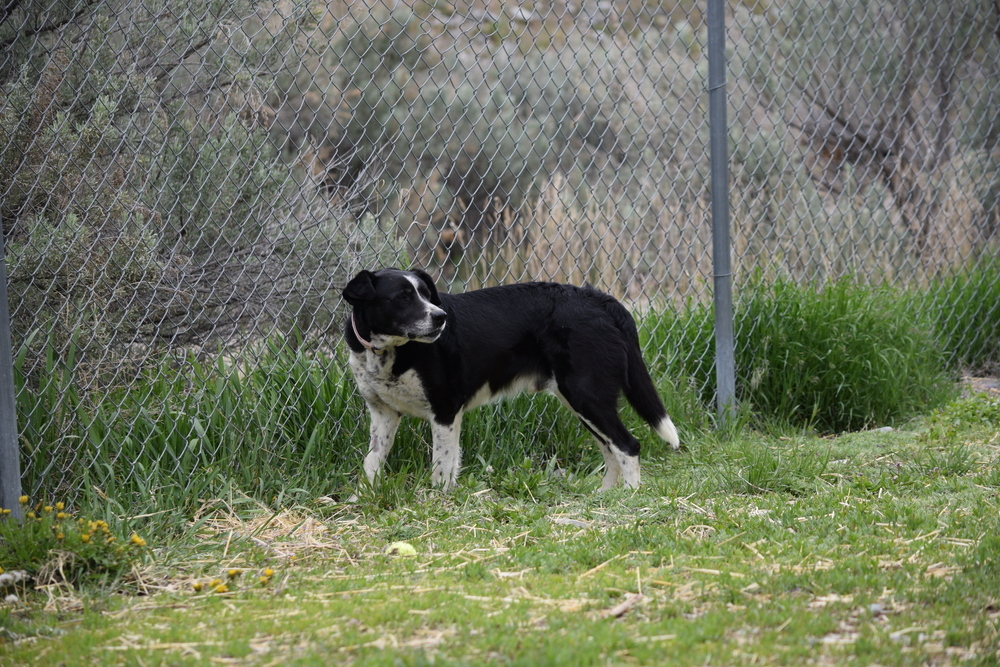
column 8, row 9
column 52, row 25
column 876, row 145
column 151, row 62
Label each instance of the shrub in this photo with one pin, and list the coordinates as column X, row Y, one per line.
column 965, row 309
column 143, row 200
column 836, row 358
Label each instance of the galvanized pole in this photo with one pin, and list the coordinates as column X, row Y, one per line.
column 10, row 462
column 725, row 363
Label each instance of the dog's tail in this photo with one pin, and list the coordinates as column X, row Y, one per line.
column 639, row 388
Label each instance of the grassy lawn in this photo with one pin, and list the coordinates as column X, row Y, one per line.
column 873, row 547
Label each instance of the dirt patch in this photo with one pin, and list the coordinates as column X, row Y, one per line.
column 989, row 386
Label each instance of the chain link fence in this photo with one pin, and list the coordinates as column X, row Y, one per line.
column 182, row 184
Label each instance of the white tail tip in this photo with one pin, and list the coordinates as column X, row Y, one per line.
column 666, row 430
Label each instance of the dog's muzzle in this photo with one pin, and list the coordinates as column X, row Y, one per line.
column 438, row 319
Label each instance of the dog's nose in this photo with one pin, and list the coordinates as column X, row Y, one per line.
column 438, row 319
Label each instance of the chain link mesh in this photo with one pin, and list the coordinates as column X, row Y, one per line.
column 192, row 181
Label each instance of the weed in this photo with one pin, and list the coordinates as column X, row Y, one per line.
column 54, row 545
column 956, row 458
column 752, row 467
column 971, row 411
column 389, row 490
column 524, row 481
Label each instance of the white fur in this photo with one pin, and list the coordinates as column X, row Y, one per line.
column 424, row 330
column 404, row 394
column 446, row 456
column 612, row 472
column 384, row 422
column 666, row 430
column 617, row 464
column 531, row 384
column 388, row 398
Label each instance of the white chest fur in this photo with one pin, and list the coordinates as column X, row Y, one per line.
column 376, row 382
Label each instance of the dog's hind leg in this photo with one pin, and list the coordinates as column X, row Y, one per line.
column 628, row 464
column 612, row 471
column 446, row 455
column 619, row 447
column 621, row 461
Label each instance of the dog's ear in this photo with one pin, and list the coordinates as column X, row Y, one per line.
column 424, row 276
column 361, row 288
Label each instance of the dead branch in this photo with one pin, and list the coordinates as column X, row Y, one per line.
column 622, row 608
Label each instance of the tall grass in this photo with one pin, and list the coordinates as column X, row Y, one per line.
column 965, row 309
column 838, row 358
column 186, row 431
column 288, row 425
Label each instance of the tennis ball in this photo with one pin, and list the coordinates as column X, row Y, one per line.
column 400, row 549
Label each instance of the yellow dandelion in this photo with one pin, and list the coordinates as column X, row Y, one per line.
column 6, row 511
column 197, row 586
column 61, row 515
column 111, row 538
column 47, row 508
column 60, row 507
column 264, row 581
column 268, row 573
column 234, row 572
column 31, row 515
column 215, row 583
column 1, row 570
column 222, row 588
column 85, row 538
column 137, row 541
column 59, row 536
column 23, row 500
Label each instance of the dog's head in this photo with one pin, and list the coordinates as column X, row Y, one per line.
column 396, row 306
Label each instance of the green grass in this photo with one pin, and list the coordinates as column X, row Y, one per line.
column 860, row 549
column 965, row 309
column 288, row 425
column 837, row 358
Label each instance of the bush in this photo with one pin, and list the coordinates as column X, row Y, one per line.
column 839, row 358
column 143, row 201
column 965, row 309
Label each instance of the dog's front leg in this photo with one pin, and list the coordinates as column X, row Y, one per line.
column 446, row 456
column 384, row 422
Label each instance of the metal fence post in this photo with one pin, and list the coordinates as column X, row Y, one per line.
column 725, row 364
column 10, row 462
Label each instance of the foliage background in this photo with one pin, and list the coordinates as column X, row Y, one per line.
column 185, row 186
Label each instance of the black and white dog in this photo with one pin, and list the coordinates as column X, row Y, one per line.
column 434, row 356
